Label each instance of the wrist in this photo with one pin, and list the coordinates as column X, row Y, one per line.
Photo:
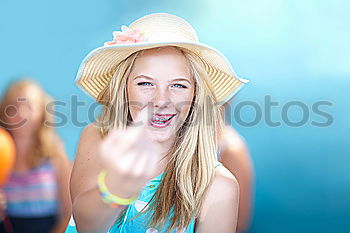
column 116, row 187
column 121, row 200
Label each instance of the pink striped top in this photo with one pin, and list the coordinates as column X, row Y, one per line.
column 33, row 193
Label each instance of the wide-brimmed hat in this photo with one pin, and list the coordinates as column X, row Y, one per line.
column 150, row 31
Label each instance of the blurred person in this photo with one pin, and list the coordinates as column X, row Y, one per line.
column 36, row 196
column 234, row 155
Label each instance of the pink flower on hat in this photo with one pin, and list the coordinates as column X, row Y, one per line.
column 126, row 36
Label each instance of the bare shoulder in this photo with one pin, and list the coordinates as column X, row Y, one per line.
column 89, row 138
column 220, row 204
column 86, row 163
column 223, row 186
column 223, row 180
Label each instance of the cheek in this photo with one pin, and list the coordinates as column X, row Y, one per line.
column 183, row 96
column 138, row 95
column 136, row 102
column 134, row 110
column 183, row 104
column 185, row 110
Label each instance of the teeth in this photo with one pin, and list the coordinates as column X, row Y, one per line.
column 161, row 119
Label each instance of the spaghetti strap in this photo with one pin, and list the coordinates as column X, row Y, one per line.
column 217, row 163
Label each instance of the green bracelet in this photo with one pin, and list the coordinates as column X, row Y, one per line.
column 110, row 198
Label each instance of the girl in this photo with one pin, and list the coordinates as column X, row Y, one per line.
column 35, row 197
column 148, row 164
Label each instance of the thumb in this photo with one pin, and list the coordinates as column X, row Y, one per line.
column 141, row 126
column 141, row 121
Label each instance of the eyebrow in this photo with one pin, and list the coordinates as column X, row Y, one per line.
column 150, row 78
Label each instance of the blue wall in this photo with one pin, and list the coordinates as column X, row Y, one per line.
column 290, row 50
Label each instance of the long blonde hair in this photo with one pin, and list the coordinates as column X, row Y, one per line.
column 191, row 158
column 46, row 138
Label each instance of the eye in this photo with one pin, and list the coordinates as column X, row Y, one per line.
column 144, row 84
column 179, row 85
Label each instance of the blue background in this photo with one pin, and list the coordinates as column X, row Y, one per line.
column 290, row 51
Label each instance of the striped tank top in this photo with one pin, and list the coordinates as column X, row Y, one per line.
column 33, row 193
column 138, row 224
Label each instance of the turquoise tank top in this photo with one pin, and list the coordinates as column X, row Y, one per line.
column 138, row 224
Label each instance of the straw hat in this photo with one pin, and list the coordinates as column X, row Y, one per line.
column 150, row 31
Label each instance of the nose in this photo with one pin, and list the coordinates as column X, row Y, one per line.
column 161, row 99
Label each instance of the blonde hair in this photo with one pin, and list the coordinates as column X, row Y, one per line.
column 46, row 138
column 191, row 158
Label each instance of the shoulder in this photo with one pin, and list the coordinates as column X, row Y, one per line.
column 90, row 131
column 86, row 162
column 88, row 141
column 220, row 204
column 224, row 184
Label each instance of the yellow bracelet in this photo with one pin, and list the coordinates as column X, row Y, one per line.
column 110, row 198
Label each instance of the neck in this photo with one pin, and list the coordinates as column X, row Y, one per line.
column 164, row 148
column 23, row 133
column 24, row 145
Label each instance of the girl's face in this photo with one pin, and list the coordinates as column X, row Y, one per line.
column 160, row 83
column 24, row 112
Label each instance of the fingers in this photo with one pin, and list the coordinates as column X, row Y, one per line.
column 130, row 142
column 124, row 138
column 141, row 123
column 134, row 130
column 134, row 135
column 142, row 119
column 145, row 164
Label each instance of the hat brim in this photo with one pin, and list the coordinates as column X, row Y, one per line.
column 99, row 66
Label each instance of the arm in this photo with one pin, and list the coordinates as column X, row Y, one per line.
column 235, row 157
column 130, row 157
column 63, row 168
column 90, row 213
column 219, row 211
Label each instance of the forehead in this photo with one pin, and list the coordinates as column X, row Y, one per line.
column 166, row 62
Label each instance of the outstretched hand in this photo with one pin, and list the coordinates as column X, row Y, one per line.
column 130, row 156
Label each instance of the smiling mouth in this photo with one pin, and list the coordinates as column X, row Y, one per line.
column 161, row 120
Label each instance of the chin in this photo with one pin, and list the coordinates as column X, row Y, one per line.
column 162, row 135
column 161, row 139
